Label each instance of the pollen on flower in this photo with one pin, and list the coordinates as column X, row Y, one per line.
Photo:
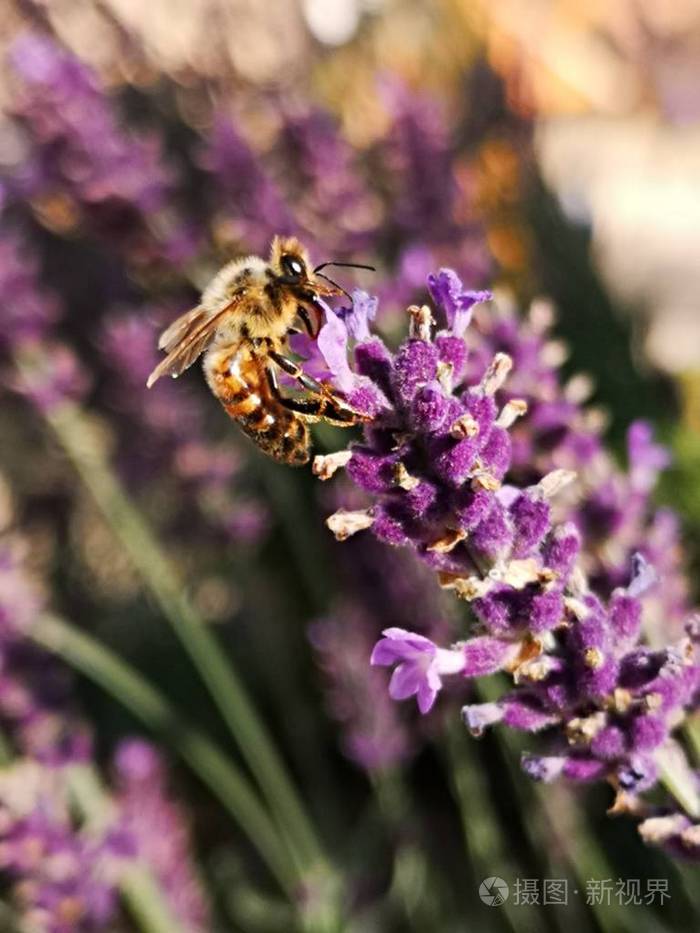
column 325, row 466
column 594, row 658
column 464, row 426
column 496, row 374
column 421, row 322
column 404, row 479
column 448, row 541
column 344, row 523
column 511, row 411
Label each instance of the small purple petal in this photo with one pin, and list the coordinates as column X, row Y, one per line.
column 644, row 576
column 333, row 345
column 525, row 713
column 427, row 692
column 357, row 318
column 447, row 291
column 405, row 681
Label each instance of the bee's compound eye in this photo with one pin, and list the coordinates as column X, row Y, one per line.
column 292, row 266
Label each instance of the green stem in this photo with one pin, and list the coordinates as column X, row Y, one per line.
column 80, row 441
column 680, row 784
column 140, row 890
column 145, row 901
column 9, row 919
column 5, row 750
column 409, row 884
column 215, row 770
column 483, row 843
column 692, row 731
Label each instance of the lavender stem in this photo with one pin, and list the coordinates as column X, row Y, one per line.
column 215, row 770
column 77, row 437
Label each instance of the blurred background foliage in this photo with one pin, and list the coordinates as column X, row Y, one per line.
column 542, row 146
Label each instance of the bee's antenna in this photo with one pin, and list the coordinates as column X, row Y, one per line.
column 347, row 265
column 328, row 279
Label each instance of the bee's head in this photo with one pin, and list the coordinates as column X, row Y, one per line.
column 290, row 262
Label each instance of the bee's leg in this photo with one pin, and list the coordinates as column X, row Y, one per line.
column 323, row 404
column 296, row 372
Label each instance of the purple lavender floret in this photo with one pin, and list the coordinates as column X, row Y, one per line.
column 446, row 291
column 435, row 462
column 420, row 665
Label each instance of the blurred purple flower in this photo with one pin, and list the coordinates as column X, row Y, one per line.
column 28, row 311
column 374, row 736
column 117, row 180
column 35, row 691
column 243, row 187
column 159, row 828
column 61, row 876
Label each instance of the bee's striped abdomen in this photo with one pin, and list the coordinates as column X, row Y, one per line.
column 238, row 380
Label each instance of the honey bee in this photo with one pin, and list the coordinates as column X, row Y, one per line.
column 242, row 325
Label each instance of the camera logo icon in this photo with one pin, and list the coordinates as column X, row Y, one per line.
column 493, row 891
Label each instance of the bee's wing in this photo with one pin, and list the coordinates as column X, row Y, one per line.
column 180, row 328
column 186, row 339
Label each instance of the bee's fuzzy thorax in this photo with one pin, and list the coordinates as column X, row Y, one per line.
column 235, row 274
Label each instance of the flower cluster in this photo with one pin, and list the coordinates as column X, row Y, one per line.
column 73, row 169
column 612, row 508
column 428, row 192
column 64, row 877
column 168, row 424
column 36, row 713
column 77, row 167
column 436, row 463
column 30, row 315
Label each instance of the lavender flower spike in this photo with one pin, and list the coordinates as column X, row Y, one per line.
column 436, row 464
column 420, row 665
